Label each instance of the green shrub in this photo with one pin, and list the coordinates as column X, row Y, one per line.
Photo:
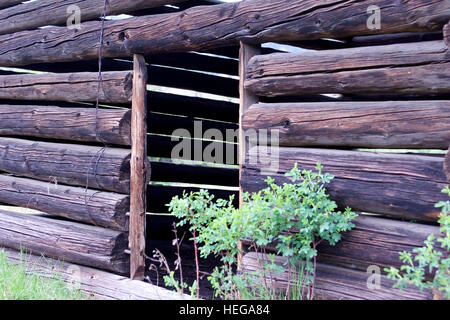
column 428, row 260
column 296, row 217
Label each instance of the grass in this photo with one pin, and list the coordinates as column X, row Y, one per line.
column 18, row 283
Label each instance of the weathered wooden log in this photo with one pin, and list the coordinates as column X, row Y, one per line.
column 104, row 209
column 7, row 3
column 447, row 34
column 110, row 126
column 207, row 27
column 99, row 284
column 385, row 69
column 116, row 87
column 386, row 124
column 373, row 241
column 73, row 242
column 395, row 55
column 139, row 169
column 95, row 167
column 336, row 283
column 405, row 186
column 447, row 165
column 32, row 15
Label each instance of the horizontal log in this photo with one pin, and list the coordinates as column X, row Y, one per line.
column 158, row 196
column 104, row 209
column 8, row 3
column 373, row 241
column 207, row 27
column 96, row 167
column 110, row 126
column 389, row 124
column 394, row 56
column 194, row 173
column 95, row 283
column 447, row 165
column 367, row 70
column 36, row 14
column 405, row 186
column 116, row 87
column 337, row 283
column 69, row 241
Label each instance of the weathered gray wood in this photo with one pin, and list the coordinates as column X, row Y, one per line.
column 395, row 55
column 381, row 124
column 373, row 241
column 96, row 167
column 447, row 34
column 73, row 242
column 97, row 283
column 207, row 27
column 447, row 165
column 140, row 171
column 104, row 209
column 79, row 124
column 116, row 87
column 385, row 69
column 50, row 12
column 336, row 283
column 405, row 186
column 7, row 3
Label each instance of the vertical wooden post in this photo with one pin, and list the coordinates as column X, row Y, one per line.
column 138, row 168
column 247, row 99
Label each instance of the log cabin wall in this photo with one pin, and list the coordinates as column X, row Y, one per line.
column 192, row 54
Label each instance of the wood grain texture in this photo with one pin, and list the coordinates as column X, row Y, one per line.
column 447, row 165
column 208, row 27
column 73, row 242
column 394, row 55
column 401, row 68
column 373, row 241
column 99, row 284
column 446, row 32
column 78, row 124
column 140, row 171
column 116, row 87
column 98, row 168
column 104, row 209
column 405, row 186
column 381, row 124
column 337, row 283
column 49, row 12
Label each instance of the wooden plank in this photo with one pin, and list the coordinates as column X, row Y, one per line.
column 368, row 70
column 163, row 171
column 32, row 15
column 207, row 27
column 337, row 283
column 8, row 3
column 405, row 186
column 110, row 126
column 99, row 284
column 73, row 242
column 140, row 170
column 381, row 124
column 96, row 167
column 447, row 165
column 104, row 209
column 116, row 87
